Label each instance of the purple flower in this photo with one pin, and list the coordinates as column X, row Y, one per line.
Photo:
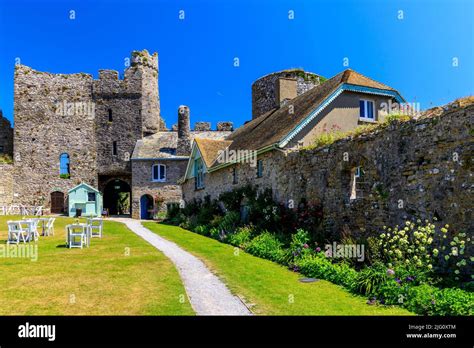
column 398, row 280
column 305, row 246
column 390, row 272
column 409, row 279
column 318, row 249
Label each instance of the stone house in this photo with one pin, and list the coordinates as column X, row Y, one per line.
column 255, row 153
column 72, row 128
column 420, row 168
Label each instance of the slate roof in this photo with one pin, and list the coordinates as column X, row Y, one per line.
column 162, row 145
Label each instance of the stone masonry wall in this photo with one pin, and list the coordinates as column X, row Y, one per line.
column 416, row 169
column 142, row 184
column 6, row 184
column 264, row 89
column 45, row 129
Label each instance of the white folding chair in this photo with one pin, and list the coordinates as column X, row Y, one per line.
column 96, row 226
column 49, row 229
column 16, row 233
column 33, row 230
column 77, row 236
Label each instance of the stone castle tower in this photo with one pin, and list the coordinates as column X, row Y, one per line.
column 274, row 90
column 95, row 123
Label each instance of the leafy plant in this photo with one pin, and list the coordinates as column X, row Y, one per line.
column 241, row 237
column 266, row 246
column 370, row 279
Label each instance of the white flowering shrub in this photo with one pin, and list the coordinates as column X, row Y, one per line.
column 423, row 246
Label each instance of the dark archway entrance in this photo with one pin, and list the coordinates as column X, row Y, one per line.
column 57, row 202
column 146, row 207
column 117, row 197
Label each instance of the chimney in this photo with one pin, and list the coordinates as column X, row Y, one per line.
column 202, row 126
column 225, row 126
column 184, row 132
column 285, row 90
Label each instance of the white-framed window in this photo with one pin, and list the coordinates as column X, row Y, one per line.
column 158, row 173
column 198, row 174
column 366, row 110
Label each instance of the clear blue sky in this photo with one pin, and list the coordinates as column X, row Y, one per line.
column 414, row 54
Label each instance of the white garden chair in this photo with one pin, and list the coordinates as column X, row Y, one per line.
column 32, row 229
column 76, row 235
column 16, row 233
column 95, row 226
column 49, row 228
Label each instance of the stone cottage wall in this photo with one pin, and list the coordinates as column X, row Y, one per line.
column 6, row 184
column 142, row 184
column 417, row 169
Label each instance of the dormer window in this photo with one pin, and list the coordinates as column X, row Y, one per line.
column 366, row 110
column 158, row 173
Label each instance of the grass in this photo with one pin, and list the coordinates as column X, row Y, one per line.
column 266, row 286
column 120, row 274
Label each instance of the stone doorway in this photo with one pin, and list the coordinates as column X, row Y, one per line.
column 57, row 202
column 117, row 197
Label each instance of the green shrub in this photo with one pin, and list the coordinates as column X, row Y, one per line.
column 241, row 237
column 428, row 300
column 266, row 246
column 215, row 233
column 299, row 246
column 202, row 229
column 229, row 222
column 370, row 279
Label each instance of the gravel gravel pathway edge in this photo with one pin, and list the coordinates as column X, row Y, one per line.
column 207, row 293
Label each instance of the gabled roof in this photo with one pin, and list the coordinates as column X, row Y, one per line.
column 162, row 145
column 209, row 149
column 84, row 184
column 274, row 126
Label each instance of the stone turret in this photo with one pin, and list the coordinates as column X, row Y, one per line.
column 145, row 67
column 184, row 131
column 276, row 89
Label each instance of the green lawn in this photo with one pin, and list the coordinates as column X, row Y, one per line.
column 120, row 274
column 268, row 287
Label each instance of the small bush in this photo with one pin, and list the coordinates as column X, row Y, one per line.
column 266, row 246
column 428, row 300
column 202, row 229
column 241, row 237
column 229, row 222
column 370, row 279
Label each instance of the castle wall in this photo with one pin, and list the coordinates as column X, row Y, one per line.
column 6, row 184
column 53, row 115
column 417, row 169
column 122, row 99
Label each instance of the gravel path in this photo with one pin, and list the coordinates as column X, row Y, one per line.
column 207, row 294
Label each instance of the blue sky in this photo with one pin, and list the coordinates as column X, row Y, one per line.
column 414, row 54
